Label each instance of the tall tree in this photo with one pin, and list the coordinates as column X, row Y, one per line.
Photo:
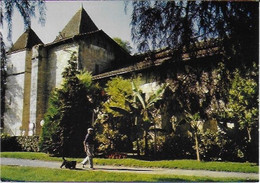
column 3, row 79
column 180, row 24
column 242, row 110
column 69, row 113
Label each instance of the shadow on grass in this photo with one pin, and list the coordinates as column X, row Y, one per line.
column 123, row 169
column 10, row 180
column 172, row 180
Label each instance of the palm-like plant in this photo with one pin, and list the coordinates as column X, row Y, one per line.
column 195, row 124
column 141, row 110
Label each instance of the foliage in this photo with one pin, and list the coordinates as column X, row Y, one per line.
column 242, row 106
column 118, row 90
column 124, row 44
column 215, row 146
column 115, row 129
column 131, row 111
column 213, row 92
column 241, row 110
column 182, row 24
column 191, row 100
column 195, row 125
column 69, row 113
column 19, row 143
column 177, row 145
column 29, row 143
column 9, row 143
column 3, row 79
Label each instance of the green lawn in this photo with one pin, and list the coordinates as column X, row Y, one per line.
column 181, row 164
column 16, row 173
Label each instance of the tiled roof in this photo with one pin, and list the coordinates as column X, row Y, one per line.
column 80, row 23
column 158, row 58
column 27, row 40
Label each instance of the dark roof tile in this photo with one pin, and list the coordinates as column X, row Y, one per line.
column 80, row 23
column 27, row 40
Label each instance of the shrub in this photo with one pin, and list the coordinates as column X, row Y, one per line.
column 69, row 113
column 9, row 143
column 28, row 143
column 19, row 143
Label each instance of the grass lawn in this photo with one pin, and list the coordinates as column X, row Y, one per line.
column 16, row 173
column 180, row 164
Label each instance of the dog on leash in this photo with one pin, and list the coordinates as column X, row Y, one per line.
column 68, row 164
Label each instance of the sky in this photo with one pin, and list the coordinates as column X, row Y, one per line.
column 110, row 16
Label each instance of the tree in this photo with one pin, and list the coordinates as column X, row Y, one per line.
column 3, row 79
column 187, row 26
column 141, row 108
column 182, row 24
column 26, row 8
column 241, row 106
column 241, row 110
column 124, row 44
column 195, row 124
column 69, row 114
column 113, row 127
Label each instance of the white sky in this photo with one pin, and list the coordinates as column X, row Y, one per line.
column 107, row 15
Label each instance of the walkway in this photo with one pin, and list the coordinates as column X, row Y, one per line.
column 161, row 171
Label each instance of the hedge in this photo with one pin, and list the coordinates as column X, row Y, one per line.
column 19, row 143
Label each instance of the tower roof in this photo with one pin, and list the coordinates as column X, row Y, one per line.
column 27, row 40
column 80, row 23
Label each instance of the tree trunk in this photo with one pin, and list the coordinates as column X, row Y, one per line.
column 137, row 139
column 138, row 148
column 197, row 147
column 249, row 134
column 145, row 143
column 155, row 143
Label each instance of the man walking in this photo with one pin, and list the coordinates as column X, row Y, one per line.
column 89, row 148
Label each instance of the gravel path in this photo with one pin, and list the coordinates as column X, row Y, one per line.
column 48, row 164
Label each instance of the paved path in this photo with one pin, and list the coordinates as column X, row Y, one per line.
column 167, row 171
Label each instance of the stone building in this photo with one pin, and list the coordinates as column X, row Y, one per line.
column 35, row 68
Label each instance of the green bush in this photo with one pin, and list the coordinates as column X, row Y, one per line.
column 213, row 146
column 9, row 143
column 19, row 143
column 28, row 143
column 177, row 146
column 69, row 113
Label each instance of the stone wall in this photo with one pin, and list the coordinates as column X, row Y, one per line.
column 94, row 59
column 15, row 93
column 95, row 55
column 98, row 53
column 57, row 60
column 38, row 102
column 34, row 73
column 27, row 88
